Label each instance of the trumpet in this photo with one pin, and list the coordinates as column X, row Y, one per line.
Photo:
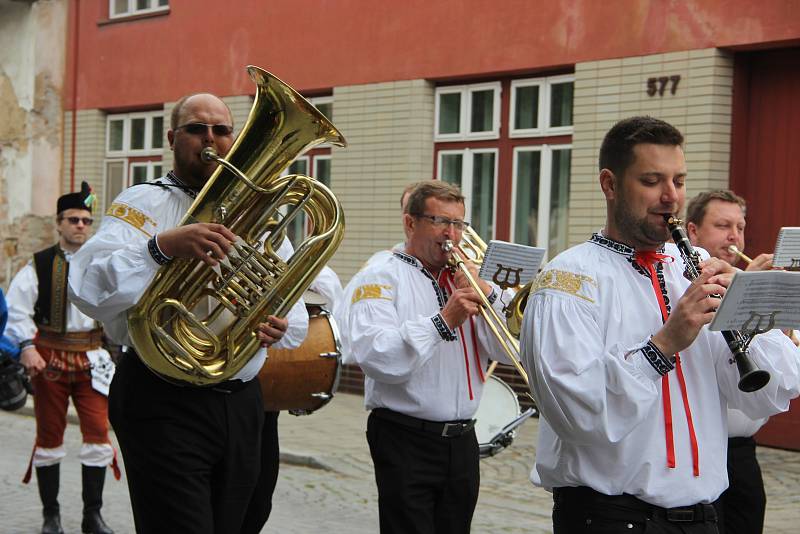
column 733, row 249
column 790, row 333
column 507, row 341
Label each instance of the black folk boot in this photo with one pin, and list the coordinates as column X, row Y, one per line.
column 93, row 480
column 48, row 479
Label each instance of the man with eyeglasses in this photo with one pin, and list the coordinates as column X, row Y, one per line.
column 411, row 327
column 61, row 350
column 192, row 454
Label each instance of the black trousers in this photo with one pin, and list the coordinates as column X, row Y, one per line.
column 261, row 502
column 742, row 506
column 426, row 483
column 192, row 455
column 584, row 510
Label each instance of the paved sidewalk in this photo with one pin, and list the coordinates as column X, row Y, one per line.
column 326, row 480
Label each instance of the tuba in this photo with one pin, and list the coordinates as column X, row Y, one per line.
column 196, row 324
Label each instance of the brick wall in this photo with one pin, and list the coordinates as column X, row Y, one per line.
column 610, row 90
column 389, row 129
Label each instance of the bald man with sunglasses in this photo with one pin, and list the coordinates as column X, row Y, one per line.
column 192, row 454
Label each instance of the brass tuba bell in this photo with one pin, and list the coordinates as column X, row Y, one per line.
column 196, row 324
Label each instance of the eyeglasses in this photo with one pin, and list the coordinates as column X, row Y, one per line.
column 199, row 128
column 444, row 222
column 87, row 221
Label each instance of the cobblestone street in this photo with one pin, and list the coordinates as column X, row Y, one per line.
column 326, row 481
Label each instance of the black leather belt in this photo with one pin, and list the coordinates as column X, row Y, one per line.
column 445, row 429
column 696, row 513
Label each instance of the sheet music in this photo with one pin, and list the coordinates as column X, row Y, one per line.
column 510, row 264
column 787, row 248
column 754, row 298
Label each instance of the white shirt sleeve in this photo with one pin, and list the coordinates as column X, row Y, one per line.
column 591, row 395
column 387, row 348
column 21, row 298
column 772, row 352
column 297, row 315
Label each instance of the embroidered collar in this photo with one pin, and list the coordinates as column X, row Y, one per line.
column 180, row 184
column 615, row 246
column 441, row 295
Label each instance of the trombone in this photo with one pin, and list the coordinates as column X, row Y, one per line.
column 507, row 341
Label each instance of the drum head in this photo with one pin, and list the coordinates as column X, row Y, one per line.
column 499, row 407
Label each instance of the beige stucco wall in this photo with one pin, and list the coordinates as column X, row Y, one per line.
column 610, row 90
column 389, row 129
column 32, row 59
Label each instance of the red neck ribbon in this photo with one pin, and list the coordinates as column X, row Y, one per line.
column 647, row 259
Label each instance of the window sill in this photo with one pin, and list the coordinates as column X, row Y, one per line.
column 135, row 16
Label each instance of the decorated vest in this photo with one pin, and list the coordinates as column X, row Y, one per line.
column 50, row 309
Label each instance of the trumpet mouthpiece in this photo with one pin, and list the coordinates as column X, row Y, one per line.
column 447, row 246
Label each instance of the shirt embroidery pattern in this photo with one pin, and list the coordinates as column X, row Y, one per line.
column 565, row 281
column 132, row 216
column 370, row 291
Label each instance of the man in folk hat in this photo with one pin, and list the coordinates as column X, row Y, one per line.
column 61, row 350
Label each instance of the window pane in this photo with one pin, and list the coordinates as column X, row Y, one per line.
column 323, row 172
column 559, row 200
column 163, row 2
column 157, row 171
column 116, row 129
column 526, row 213
column 115, row 180
column 482, row 112
column 137, row 133
column 326, row 109
column 299, row 167
column 482, row 194
column 526, row 108
column 450, row 113
column 120, row 6
column 157, row 132
column 138, row 174
column 561, row 104
column 142, row 4
column 452, row 165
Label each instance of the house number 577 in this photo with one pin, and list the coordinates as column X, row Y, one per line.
column 659, row 85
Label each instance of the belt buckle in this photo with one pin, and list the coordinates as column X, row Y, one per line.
column 680, row 516
column 448, row 426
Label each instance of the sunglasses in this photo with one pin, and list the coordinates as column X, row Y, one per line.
column 87, row 221
column 199, row 128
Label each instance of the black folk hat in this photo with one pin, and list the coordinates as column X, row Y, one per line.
column 82, row 200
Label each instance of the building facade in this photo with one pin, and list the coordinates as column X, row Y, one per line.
column 508, row 99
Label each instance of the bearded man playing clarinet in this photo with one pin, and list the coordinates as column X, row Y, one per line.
column 632, row 386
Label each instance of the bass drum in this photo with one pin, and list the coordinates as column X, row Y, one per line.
column 304, row 379
column 497, row 417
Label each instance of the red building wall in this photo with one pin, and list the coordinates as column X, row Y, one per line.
column 315, row 44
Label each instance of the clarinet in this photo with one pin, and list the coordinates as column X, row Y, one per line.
column 751, row 378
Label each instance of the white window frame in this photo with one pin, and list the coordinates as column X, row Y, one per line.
column 465, row 108
column 126, row 134
column 467, row 166
column 149, row 165
column 318, row 158
column 132, row 10
column 545, row 86
column 545, row 187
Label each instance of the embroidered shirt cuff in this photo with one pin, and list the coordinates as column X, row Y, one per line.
column 656, row 358
column 155, row 252
column 441, row 327
column 492, row 296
